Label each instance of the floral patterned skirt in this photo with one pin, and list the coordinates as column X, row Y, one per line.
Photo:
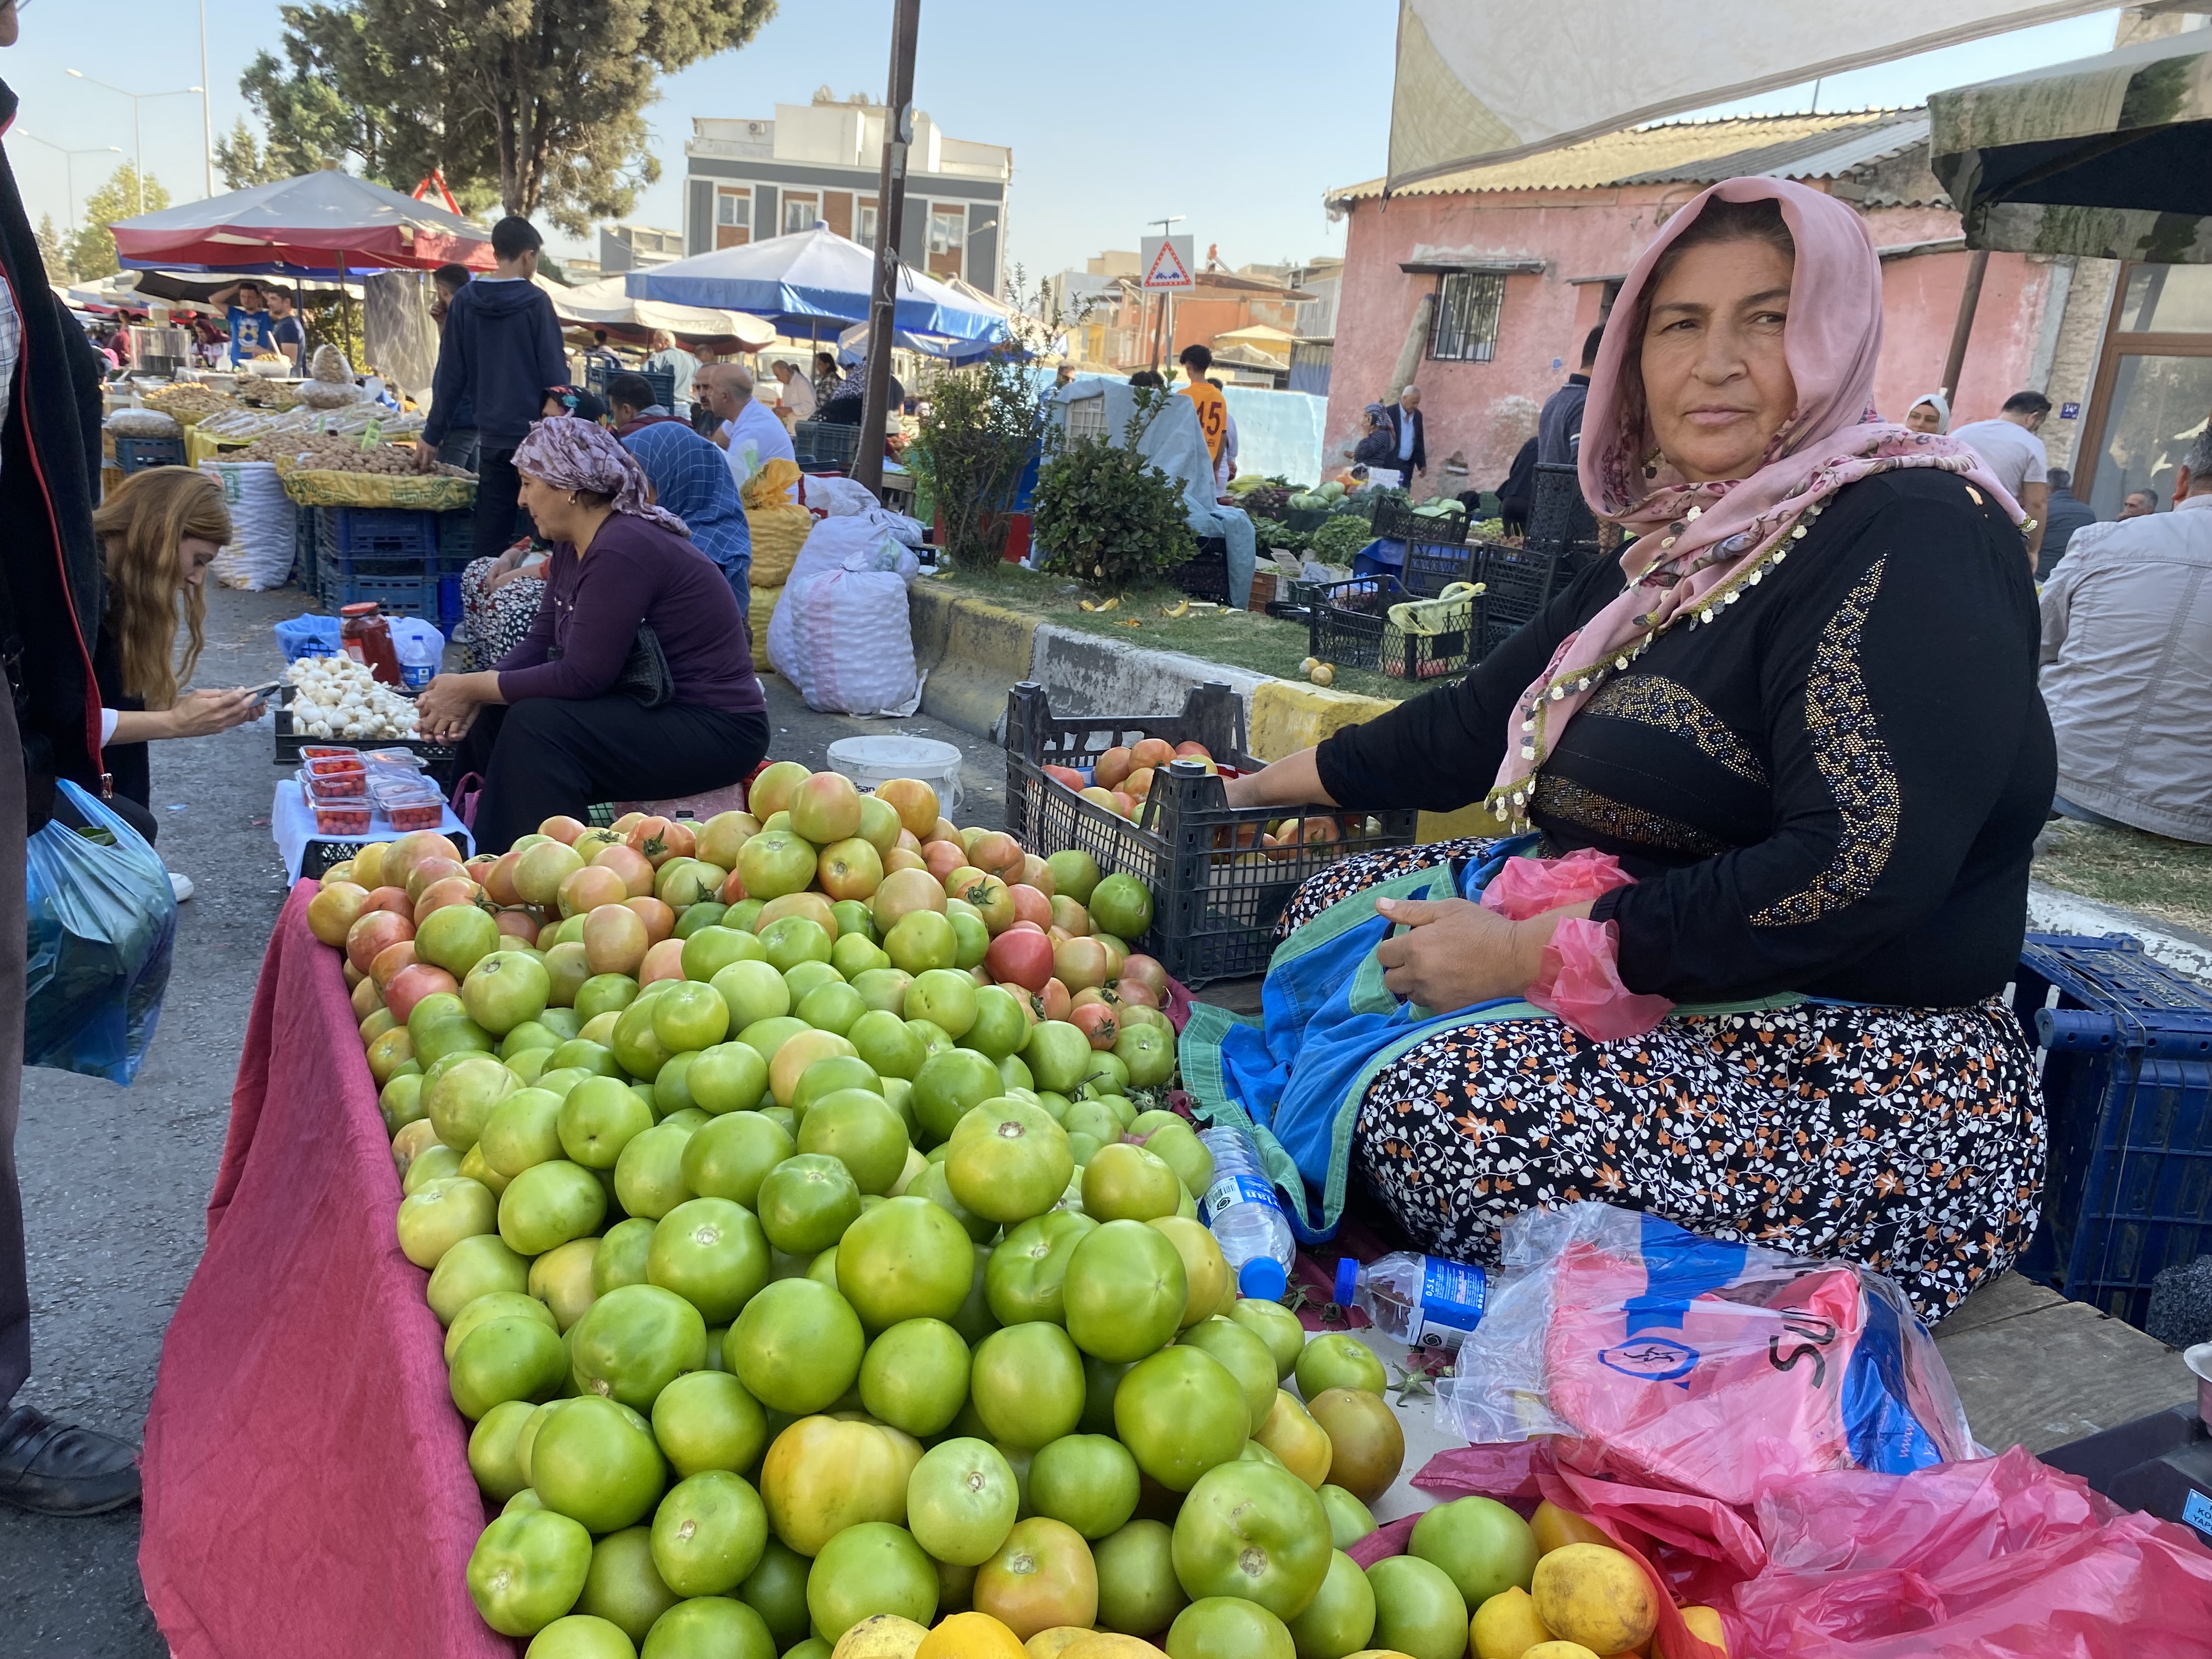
column 494, row 620
column 1909, row 1140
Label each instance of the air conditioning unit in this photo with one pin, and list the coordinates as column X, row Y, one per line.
column 754, row 129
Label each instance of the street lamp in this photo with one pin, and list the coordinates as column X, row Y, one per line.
column 69, row 162
column 137, row 143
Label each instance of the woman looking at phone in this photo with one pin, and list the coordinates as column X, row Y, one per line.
column 161, row 530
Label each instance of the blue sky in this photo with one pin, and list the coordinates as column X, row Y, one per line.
column 1287, row 99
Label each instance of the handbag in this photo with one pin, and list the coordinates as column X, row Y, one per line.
column 644, row 673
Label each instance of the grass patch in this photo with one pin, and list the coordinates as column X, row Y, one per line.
column 2168, row 880
column 1242, row 639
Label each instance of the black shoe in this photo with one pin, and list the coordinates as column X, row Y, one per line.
column 56, row 1468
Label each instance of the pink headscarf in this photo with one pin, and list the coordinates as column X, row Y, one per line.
column 1698, row 543
column 570, row 454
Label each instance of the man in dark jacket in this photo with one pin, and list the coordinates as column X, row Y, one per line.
column 51, row 603
column 2063, row 514
column 1560, row 426
column 500, row 351
column 1410, row 439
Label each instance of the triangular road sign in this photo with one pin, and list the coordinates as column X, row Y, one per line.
column 1168, row 268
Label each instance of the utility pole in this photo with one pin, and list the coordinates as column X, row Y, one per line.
column 207, row 107
column 1970, row 299
column 1160, row 315
column 891, row 220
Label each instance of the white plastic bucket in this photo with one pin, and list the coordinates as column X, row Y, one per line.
column 871, row 761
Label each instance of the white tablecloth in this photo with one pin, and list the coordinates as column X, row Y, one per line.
column 294, row 826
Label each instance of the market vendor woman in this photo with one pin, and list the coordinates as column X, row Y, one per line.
column 635, row 681
column 1808, row 727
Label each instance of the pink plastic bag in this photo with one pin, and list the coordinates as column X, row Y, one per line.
column 1528, row 887
column 1579, row 978
column 1655, row 1356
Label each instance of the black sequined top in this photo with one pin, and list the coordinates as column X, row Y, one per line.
column 1833, row 786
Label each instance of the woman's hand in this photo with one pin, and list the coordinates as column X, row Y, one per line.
column 502, row 576
column 202, row 714
column 1293, row 780
column 1459, row 953
column 449, row 705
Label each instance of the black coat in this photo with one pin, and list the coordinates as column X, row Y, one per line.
column 51, row 581
column 1420, row 458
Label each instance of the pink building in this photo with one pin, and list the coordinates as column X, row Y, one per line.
column 1499, row 271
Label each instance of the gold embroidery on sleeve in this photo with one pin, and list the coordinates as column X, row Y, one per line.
column 1654, row 700
column 1847, row 747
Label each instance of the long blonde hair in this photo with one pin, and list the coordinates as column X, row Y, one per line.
column 142, row 524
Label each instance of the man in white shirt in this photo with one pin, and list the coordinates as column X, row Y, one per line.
column 748, row 431
column 2127, row 665
column 797, row 394
column 2012, row 452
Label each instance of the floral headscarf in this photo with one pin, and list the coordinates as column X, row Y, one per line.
column 1698, row 543
column 572, row 454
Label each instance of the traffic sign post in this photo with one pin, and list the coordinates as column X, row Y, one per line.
column 1166, row 264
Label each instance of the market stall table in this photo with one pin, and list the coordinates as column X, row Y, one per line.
column 307, row 850
column 308, row 1485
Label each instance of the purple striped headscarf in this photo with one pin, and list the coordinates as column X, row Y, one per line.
column 573, row 454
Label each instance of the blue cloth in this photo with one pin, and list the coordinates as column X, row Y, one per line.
column 1326, row 1016
column 691, row 479
column 500, row 350
column 250, row 333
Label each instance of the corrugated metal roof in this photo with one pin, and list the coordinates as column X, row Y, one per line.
column 1816, row 155
column 1662, row 150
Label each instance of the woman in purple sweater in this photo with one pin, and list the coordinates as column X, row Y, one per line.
column 565, row 719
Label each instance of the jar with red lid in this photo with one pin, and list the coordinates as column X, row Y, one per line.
column 368, row 639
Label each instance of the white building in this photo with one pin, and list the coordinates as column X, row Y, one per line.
column 745, row 180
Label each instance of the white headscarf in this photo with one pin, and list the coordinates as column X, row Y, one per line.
column 1939, row 403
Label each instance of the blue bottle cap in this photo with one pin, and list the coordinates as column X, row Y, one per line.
column 1347, row 1280
column 1262, row 1279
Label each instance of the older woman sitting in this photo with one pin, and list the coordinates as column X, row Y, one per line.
column 635, row 681
column 1806, row 724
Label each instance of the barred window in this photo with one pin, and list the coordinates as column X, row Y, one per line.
column 1466, row 326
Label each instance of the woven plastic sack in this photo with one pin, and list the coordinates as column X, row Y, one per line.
column 1654, row 1356
column 103, row 924
column 262, row 519
column 760, row 613
column 779, row 526
column 841, row 634
column 425, row 492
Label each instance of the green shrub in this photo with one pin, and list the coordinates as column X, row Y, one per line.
column 1108, row 516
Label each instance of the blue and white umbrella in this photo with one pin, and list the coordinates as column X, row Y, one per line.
column 802, row 282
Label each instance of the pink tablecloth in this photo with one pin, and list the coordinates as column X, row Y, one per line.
column 308, row 1487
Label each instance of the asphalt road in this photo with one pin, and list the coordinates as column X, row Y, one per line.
column 116, row 1181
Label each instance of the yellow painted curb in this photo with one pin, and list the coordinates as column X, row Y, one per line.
column 974, row 652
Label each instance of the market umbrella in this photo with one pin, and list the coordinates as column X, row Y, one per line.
column 801, row 282
column 2107, row 156
column 321, row 223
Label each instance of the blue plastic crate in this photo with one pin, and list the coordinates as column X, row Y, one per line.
column 377, row 532
column 2127, row 1087
column 137, row 454
column 456, row 540
column 403, row 588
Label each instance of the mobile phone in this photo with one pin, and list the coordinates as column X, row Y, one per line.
column 259, row 693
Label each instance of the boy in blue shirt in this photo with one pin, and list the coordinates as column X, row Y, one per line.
column 253, row 330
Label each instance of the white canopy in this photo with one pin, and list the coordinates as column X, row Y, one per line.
column 1485, row 80
column 604, row 304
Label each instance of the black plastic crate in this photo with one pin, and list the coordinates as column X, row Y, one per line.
column 456, row 540
column 437, row 757
column 1560, row 519
column 137, row 454
column 1517, row 582
column 598, row 371
column 1348, row 625
column 304, row 554
column 822, row 444
column 1205, row 574
column 2127, row 1088
column 1215, row 896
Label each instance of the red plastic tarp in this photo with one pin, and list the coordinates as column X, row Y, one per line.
column 306, row 221
column 307, row 1486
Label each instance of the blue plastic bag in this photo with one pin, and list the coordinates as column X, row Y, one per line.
column 308, row 635
column 103, row 924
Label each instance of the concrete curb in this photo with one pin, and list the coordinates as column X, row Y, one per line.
column 972, row 651
column 1088, row 672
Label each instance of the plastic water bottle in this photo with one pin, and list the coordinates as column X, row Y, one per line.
column 1424, row 1301
column 1247, row 1219
column 418, row 659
